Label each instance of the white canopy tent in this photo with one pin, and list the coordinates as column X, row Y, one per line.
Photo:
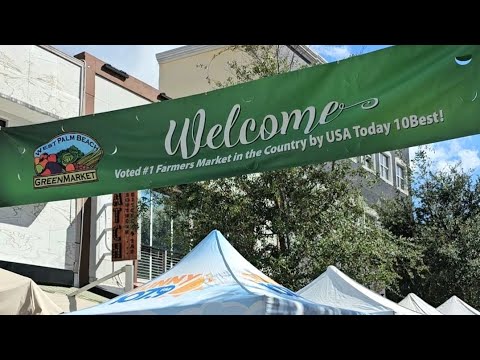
column 20, row 295
column 213, row 279
column 456, row 306
column 415, row 303
column 336, row 289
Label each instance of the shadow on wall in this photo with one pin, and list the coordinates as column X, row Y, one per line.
column 101, row 263
column 72, row 246
column 22, row 216
column 100, row 215
column 40, row 241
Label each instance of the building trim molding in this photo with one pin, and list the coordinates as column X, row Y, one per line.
column 94, row 66
column 30, row 107
column 62, row 54
column 307, row 54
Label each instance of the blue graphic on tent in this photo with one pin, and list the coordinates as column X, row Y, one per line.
column 268, row 283
column 174, row 286
column 279, row 289
column 148, row 294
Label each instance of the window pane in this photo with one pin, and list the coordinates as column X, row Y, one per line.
column 384, row 167
column 401, row 183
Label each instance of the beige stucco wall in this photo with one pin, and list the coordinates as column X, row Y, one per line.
column 183, row 77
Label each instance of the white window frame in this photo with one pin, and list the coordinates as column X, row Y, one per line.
column 373, row 160
column 390, row 168
column 399, row 162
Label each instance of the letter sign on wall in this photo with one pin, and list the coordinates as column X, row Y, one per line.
column 124, row 226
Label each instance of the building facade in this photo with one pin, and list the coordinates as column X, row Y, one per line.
column 40, row 84
column 67, row 243
column 390, row 170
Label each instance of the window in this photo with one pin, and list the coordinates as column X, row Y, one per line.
column 385, row 161
column 3, row 123
column 368, row 162
column 400, row 171
column 401, row 176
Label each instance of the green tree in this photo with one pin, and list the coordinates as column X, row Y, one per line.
column 162, row 224
column 291, row 223
column 444, row 221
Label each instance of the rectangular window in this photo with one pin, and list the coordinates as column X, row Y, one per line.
column 368, row 162
column 385, row 166
column 3, row 123
column 401, row 177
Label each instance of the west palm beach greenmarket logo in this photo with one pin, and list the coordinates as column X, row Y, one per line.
column 67, row 159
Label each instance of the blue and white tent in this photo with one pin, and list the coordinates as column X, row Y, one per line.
column 213, row 279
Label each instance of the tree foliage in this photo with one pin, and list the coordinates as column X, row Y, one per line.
column 444, row 221
column 162, row 237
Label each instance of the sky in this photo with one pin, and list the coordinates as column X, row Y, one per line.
column 140, row 62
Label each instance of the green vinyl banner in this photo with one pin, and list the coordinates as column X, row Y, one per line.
column 390, row 99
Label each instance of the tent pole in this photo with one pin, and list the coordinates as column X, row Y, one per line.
column 171, row 240
column 151, row 234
